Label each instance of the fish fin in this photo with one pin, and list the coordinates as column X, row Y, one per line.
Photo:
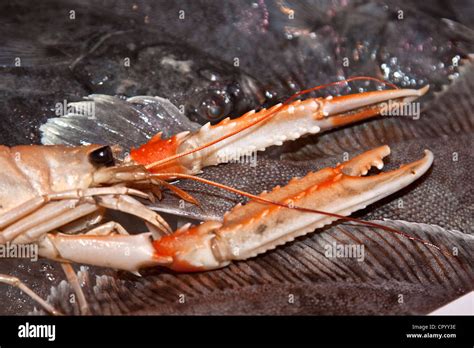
column 104, row 119
column 25, row 53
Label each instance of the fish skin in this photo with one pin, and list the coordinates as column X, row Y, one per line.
column 91, row 54
column 161, row 67
column 319, row 284
column 29, row 96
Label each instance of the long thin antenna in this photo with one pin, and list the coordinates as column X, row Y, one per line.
column 168, row 176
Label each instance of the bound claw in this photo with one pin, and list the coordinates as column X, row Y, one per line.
column 269, row 220
column 255, row 131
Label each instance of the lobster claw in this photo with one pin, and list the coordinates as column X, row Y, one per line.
column 255, row 131
column 256, row 227
column 347, row 109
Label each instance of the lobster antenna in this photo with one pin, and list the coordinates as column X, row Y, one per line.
column 265, row 117
column 166, row 176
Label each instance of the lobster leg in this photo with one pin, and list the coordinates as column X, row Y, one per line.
column 74, row 281
column 108, row 228
column 39, row 222
column 124, row 252
column 14, row 281
column 255, row 131
column 57, row 214
column 131, row 206
column 249, row 229
column 36, row 203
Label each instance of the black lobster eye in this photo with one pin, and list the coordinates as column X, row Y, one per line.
column 103, row 156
